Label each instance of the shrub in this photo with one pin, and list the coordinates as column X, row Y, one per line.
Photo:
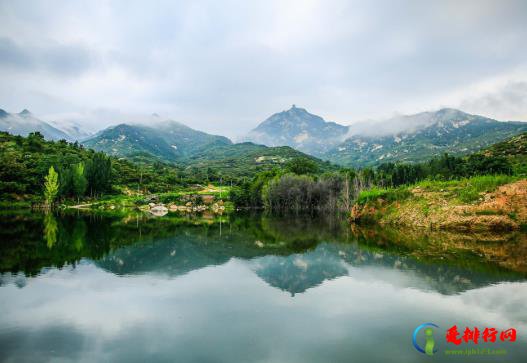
column 302, row 192
column 468, row 195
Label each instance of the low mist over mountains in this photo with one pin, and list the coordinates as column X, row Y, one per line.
column 24, row 122
column 410, row 138
column 419, row 137
column 74, row 129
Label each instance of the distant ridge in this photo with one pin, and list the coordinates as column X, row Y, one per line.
column 428, row 134
column 167, row 140
column 24, row 123
column 407, row 138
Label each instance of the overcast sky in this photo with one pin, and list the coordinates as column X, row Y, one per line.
column 224, row 66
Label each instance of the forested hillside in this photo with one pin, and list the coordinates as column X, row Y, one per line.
column 433, row 133
column 305, row 189
column 167, row 141
column 514, row 150
column 246, row 159
column 26, row 163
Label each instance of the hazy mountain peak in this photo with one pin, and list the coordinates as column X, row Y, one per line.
column 292, row 115
column 298, row 128
column 451, row 114
column 171, row 123
column 24, row 123
column 121, row 126
column 298, row 110
column 75, row 129
column 450, row 111
column 414, row 138
column 408, row 124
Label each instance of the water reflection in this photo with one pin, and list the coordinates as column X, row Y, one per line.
column 298, row 272
column 292, row 254
column 250, row 288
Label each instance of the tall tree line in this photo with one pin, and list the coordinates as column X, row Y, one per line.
column 444, row 167
column 300, row 187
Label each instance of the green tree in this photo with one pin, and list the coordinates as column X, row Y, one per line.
column 79, row 180
column 99, row 174
column 50, row 230
column 301, row 166
column 78, row 235
column 65, row 182
column 12, row 172
column 35, row 141
column 51, row 185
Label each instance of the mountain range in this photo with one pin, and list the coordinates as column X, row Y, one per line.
column 287, row 134
column 167, row 140
column 411, row 138
column 172, row 142
column 430, row 134
column 25, row 122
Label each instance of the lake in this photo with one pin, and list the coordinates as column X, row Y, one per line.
column 251, row 288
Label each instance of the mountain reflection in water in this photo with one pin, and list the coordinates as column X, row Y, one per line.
column 292, row 253
column 244, row 288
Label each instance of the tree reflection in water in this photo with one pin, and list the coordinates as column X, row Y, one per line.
column 291, row 253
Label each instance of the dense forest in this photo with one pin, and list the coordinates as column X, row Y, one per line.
column 37, row 170
column 304, row 188
column 31, row 167
column 34, row 169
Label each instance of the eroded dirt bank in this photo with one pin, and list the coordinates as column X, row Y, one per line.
column 504, row 209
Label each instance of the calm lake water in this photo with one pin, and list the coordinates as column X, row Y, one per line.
column 239, row 288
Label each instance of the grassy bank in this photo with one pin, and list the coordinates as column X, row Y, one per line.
column 491, row 202
column 466, row 190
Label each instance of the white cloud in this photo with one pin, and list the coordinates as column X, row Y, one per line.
column 224, row 67
column 209, row 311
